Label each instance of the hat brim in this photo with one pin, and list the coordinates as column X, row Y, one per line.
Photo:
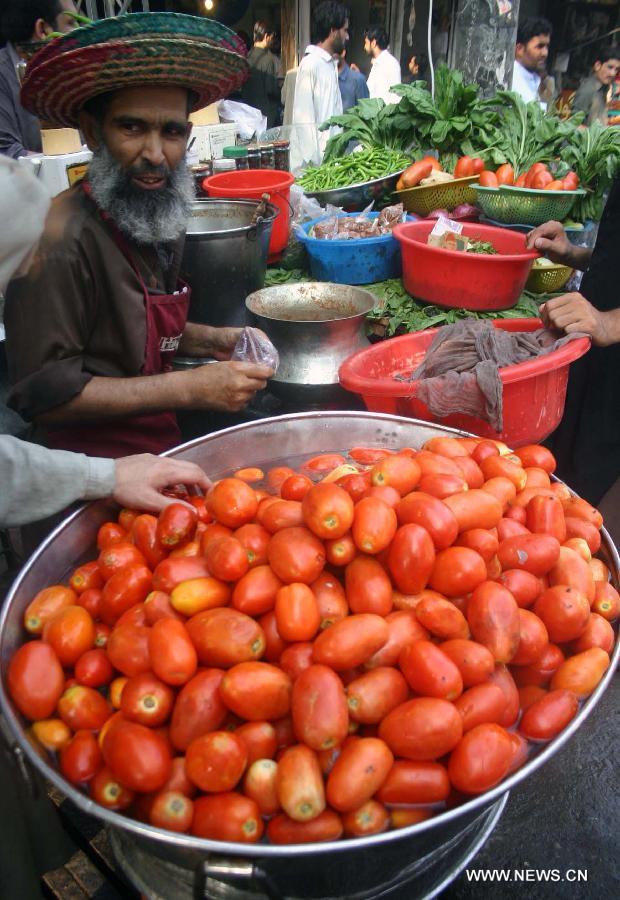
column 56, row 88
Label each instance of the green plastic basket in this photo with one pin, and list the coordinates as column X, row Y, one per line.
column 511, row 204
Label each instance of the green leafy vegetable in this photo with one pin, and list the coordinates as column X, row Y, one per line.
column 594, row 154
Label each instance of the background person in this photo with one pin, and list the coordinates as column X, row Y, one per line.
column 23, row 21
column 262, row 89
column 531, row 54
column 317, row 93
column 93, row 327
column 591, row 97
column 385, row 68
column 353, row 87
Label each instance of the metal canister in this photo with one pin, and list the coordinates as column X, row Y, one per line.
column 267, row 156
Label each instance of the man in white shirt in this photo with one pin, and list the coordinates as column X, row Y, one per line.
column 531, row 53
column 317, row 92
column 385, row 71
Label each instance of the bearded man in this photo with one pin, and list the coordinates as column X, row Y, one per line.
column 93, row 327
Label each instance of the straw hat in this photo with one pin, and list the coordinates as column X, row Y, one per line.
column 141, row 48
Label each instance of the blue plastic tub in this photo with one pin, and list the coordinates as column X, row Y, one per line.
column 356, row 261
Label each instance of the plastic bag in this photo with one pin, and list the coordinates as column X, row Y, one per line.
column 248, row 119
column 254, row 346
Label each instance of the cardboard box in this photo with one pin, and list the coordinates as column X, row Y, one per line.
column 211, row 140
column 60, row 140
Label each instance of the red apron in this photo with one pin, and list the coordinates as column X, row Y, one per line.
column 166, row 316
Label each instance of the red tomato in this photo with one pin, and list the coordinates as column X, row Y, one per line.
column 224, row 637
column 475, row 508
column 441, row 618
column 118, row 556
column 368, row 587
column 533, row 639
column 355, row 485
column 139, row 757
column 259, row 739
column 256, row 691
column 368, row 456
column 540, row 180
column 216, row 761
column 505, row 174
column 572, row 570
column 545, row 718
column 295, row 487
column 86, row 577
column 232, row 502
column 199, row 708
column 227, row 559
column 71, row 632
column 275, row 645
column 144, row 536
column 429, row 672
column 341, row 551
column 581, row 673
column 295, row 554
column 83, row 708
column 410, row 782
column 255, row 593
column 274, row 514
column 173, row 656
column 350, row 642
column 123, row 590
column 331, row 599
column 171, row 572
column 464, row 167
column 482, row 540
column 299, row 783
column 534, row 553
column 398, row 471
column 422, row 729
column 481, row 703
column 411, row 558
column 374, row 694
column 441, row 486
column 327, row 510
column 227, row 817
column 598, row 633
column 259, row 785
column 570, row 181
column 277, row 476
column 297, row 613
column 325, row 827
column 110, row 533
column 523, row 586
column 457, row 571
column 481, row 759
column 606, row 601
column 474, row 661
column 478, row 165
column 296, row 658
column 540, row 672
column 556, row 185
column 488, row 179
column 128, row 649
column 94, row 669
column 564, row 611
column 358, row 773
column 580, row 528
column 403, row 628
column 432, row 514
column 107, row 791
column 319, row 708
column 157, row 606
column 504, row 680
column 53, row 734
column 35, row 680
column 90, row 599
column 325, row 462
column 172, row 810
column 374, row 525
column 493, row 616
column 538, row 456
column 81, row 758
column 255, row 539
column 147, row 700
column 370, row 818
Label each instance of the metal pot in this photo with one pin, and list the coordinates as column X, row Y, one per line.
column 314, row 326
column 225, row 258
column 353, row 868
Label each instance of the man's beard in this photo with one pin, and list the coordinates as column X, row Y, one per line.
column 147, row 217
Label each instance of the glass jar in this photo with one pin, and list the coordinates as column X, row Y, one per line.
column 199, row 173
column 224, row 165
column 282, row 155
column 253, row 157
column 267, row 156
column 238, row 155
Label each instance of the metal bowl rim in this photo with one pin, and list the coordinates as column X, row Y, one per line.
column 229, row 232
column 291, row 850
column 357, row 185
column 321, row 284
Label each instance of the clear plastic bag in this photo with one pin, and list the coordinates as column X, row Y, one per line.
column 254, row 346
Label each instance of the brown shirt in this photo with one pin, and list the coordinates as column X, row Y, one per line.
column 79, row 312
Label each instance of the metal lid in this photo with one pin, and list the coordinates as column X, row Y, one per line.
column 235, row 152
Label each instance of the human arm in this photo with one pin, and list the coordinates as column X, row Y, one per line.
column 206, row 340
column 11, row 138
column 551, row 241
column 573, row 313
column 37, row 482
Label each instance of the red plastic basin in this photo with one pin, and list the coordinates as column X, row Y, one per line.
column 477, row 281
column 534, row 391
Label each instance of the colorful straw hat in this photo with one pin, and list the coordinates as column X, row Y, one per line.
column 140, row 48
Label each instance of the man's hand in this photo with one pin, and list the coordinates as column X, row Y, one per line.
column 572, row 312
column 223, row 342
column 550, row 239
column 225, row 387
column 140, row 480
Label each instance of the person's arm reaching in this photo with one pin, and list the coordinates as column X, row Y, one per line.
column 550, row 239
column 37, row 482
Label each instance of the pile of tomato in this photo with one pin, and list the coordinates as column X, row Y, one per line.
column 352, row 646
column 537, row 177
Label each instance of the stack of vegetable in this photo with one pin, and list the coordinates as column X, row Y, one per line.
column 356, row 168
column 333, row 651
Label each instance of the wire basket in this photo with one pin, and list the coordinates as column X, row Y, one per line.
column 510, row 204
column 425, row 198
column 547, row 279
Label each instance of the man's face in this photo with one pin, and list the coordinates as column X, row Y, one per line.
column 607, row 71
column 339, row 38
column 368, row 46
column 533, row 55
column 413, row 66
column 146, row 130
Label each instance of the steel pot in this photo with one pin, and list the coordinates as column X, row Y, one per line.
column 315, row 326
column 225, row 258
column 353, row 868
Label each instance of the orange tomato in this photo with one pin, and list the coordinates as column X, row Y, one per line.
column 488, row 179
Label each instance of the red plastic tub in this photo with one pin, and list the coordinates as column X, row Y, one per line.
column 465, row 280
column 534, row 391
column 251, row 185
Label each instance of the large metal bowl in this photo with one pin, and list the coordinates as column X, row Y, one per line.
column 358, row 196
column 349, row 868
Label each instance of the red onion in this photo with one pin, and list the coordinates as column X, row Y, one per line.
column 465, row 211
column 436, row 213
